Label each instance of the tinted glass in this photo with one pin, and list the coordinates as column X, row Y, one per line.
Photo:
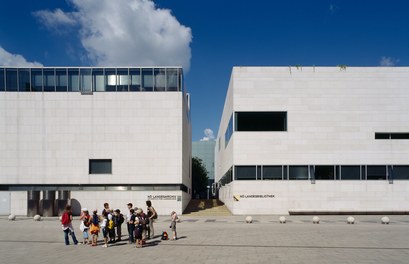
column 48, row 80
column 261, row 121
column 36, row 80
column 61, row 80
column 85, row 80
column 376, row 173
column 245, row 172
column 110, row 80
column 135, row 79
column 382, row 135
column 100, row 166
column 2, row 80
column 350, row 173
column 172, row 80
column 324, row 172
column 229, row 132
column 298, row 173
column 147, row 80
column 272, row 173
column 73, row 80
column 399, row 135
column 24, row 80
column 401, row 172
column 122, row 80
column 11, row 80
column 98, row 80
column 160, row 80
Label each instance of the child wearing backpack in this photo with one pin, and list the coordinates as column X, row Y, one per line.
column 111, row 229
column 94, row 230
column 85, row 225
column 66, row 220
column 104, row 225
column 174, row 218
column 139, row 228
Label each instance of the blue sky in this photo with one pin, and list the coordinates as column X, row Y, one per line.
column 207, row 37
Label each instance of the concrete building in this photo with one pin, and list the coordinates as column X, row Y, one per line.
column 94, row 135
column 315, row 140
column 204, row 150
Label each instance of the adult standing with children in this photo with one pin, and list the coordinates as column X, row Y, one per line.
column 66, row 221
column 152, row 215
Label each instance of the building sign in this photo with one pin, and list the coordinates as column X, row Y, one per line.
column 250, row 196
column 163, row 197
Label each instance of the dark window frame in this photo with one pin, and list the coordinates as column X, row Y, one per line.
column 90, row 166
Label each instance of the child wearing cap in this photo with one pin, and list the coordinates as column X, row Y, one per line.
column 85, row 224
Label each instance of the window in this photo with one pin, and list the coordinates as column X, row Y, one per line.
column 135, row 79
column 298, row 173
column 376, row 172
column 147, row 80
column 160, row 78
column 245, row 172
column 398, row 135
column 73, row 80
column 172, row 80
column 61, row 80
column 229, row 132
column 11, row 80
column 98, row 80
column 401, row 172
column 122, row 80
column 261, row 121
column 100, row 166
column 85, row 80
column 272, row 173
column 49, row 80
column 110, row 80
column 324, row 172
column 2, row 80
column 24, row 80
column 350, row 173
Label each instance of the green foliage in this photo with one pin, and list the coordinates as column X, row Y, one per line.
column 199, row 176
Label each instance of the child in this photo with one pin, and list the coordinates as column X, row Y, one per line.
column 85, row 225
column 118, row 221
column 104, row 225
column 94, row 230
column 139, row 225
column 111, row 229
column 174, row 218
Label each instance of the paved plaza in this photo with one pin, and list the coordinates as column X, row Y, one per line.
column 220, row 240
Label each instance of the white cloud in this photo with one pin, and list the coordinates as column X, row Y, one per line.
column 388, row 61
column 125, row 32
column 209, row 135
column 16, row 60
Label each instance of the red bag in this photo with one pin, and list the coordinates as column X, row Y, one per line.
column 65, row 220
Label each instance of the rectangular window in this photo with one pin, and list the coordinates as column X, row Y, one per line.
column 110, row 80
column 376, row 173
column 245, row 172
column 160, row 80
column 24, row 80
column 61, row 80
column 172, row 80
column 2, row 80
column 122, row 80
column 401, row 172
column 135, row 79
column 100, row 166
column 298, row 173
column 324, row 172
column 11, row 80
column 397, row 135
column 229, row 132
column 261, row 121
column 86, row 80
column 350, row 173
column 147, row 80
column 272, row 173
column 98, row 80
column 49, row 80
column 73, row 80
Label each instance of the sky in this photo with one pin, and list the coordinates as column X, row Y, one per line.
column 207, row 38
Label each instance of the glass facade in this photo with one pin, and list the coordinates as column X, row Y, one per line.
column 88, row 79
column 204, row 150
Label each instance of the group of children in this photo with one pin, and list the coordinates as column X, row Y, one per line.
column 109, row 223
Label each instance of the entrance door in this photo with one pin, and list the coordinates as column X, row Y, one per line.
column 4, row 203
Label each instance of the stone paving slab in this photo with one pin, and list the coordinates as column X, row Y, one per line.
column 224, row 240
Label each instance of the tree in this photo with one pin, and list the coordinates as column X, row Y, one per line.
column 199, row 176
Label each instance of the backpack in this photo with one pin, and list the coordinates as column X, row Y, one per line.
column 121, row 219
column 65, row 219
column 164, row 235
column 86, row 221
column 110, row 224
column 95, row 220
